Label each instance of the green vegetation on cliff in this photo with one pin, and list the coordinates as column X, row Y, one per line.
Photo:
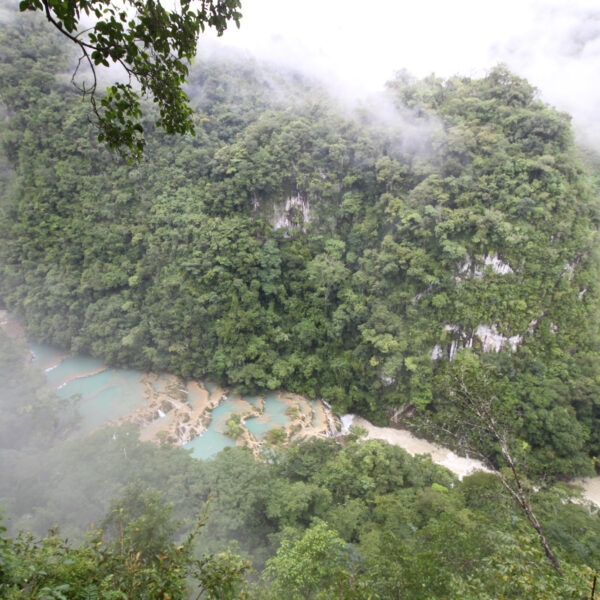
column 379, row 260
column 290, row 246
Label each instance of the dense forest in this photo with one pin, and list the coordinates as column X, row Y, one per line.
column 289, row 246
column 378, row 258
column 320, row 519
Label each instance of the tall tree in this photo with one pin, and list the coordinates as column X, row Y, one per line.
column 479, row 418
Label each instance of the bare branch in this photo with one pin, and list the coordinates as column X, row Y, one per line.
column 91, row 91
column 478, row 410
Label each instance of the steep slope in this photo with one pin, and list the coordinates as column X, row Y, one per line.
column 289, row 245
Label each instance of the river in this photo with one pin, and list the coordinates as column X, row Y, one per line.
column 197, row 415
column 206, row 418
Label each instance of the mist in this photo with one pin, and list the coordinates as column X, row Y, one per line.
column 355, row 49
column 183, row 333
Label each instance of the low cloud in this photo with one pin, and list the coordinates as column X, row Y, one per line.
column 560, row 55
column 355, row 47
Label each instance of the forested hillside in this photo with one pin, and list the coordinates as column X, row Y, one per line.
column 320, row 520
column 291, row 245
column 429, row 253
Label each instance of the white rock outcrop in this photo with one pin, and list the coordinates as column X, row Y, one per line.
column 489, row 337
column 287, row 216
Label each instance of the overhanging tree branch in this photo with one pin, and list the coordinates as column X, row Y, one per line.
column 151, row 44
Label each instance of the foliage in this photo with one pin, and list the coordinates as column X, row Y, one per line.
column 360, row 520
column 31, row 415
column 151, row 44
column 313, row 567
column 234, row 429
column 355, row 432
column 52, row 568
column 275, row 436
column 289, row 247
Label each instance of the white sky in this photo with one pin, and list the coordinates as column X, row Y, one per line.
column 357, row 46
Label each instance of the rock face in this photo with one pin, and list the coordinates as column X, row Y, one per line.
column 492, row 341
column 488, row 337
column 493, row 261
column 485, row 336
column 294, row 213
column 474, row 268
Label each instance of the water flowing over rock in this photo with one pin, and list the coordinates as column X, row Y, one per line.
column 346, row 421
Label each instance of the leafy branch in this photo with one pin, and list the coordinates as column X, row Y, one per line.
column 153, row 46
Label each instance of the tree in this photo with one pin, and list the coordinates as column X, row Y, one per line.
column 138, row 564
column 140, row 522
column 151, row 44
column 479, row 417
column 315, row 566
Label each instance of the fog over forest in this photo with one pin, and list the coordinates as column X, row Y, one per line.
column 342, row 342
column 357, row 47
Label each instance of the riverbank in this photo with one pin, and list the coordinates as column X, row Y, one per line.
column 170, row 410
column 459, row 465
column 206, row 418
